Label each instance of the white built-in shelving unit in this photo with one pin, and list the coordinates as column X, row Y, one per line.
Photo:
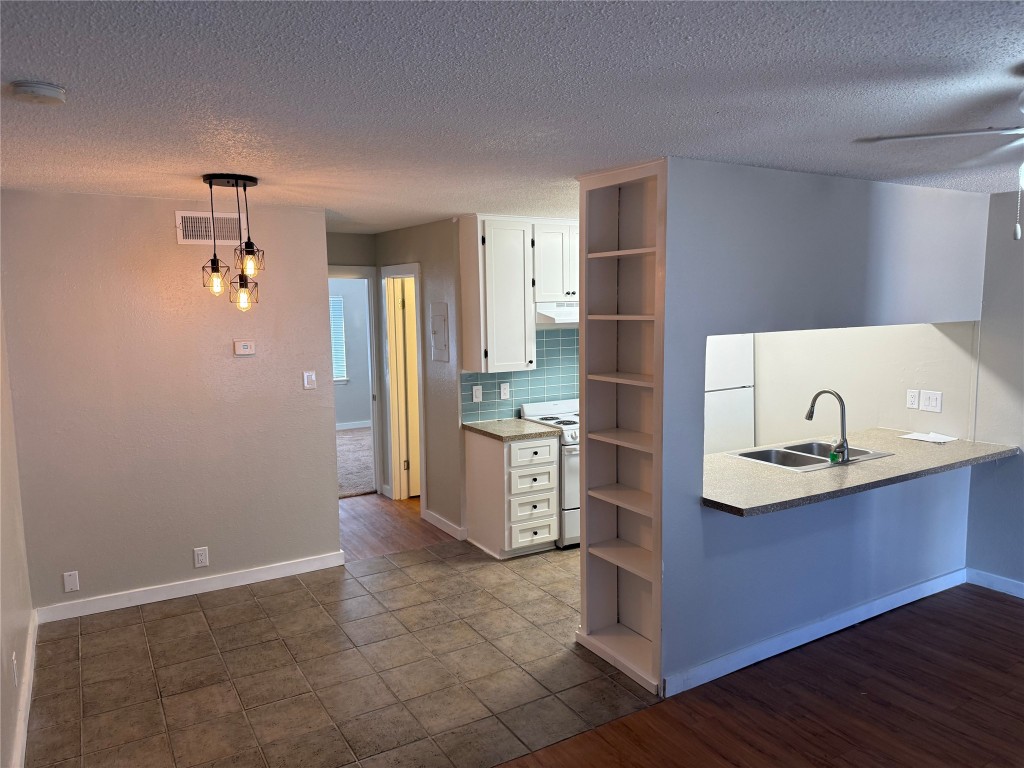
column 622, row 268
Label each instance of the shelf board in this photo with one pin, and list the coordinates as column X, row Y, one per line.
column 626, row 497
column 625, row 555
column 620, row 254
column 622, row 377
column 618, row 644
column 627, row 438
column 649, row 318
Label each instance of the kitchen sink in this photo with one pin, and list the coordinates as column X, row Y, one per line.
column 805, row 457
column 824, row 449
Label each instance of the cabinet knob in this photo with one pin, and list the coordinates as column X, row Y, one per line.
column 574, row 293
column 536, row 452
column 534, row 506
column 529, row 362
column 535, row 533
column 535, row 479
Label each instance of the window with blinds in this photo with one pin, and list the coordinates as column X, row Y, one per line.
column 338, row 337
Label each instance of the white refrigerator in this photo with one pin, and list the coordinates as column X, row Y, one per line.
column 729, row 393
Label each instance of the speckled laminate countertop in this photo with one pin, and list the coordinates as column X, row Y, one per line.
column 510, row 430
column 744, row 487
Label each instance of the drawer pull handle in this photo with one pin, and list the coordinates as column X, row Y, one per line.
column 535, row 453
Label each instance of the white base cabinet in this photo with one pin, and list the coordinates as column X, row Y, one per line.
column 511, row 494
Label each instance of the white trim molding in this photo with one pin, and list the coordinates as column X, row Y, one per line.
column 448, row 527
column 744, row 657
column 26, row 675
column 142, row 595
column 338, row 426
column 996, row 582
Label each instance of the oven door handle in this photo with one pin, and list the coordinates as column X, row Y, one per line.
column 571, row 450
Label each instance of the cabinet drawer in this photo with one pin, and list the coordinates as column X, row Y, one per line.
column 532, row 479
column 533, row 532
column 525, row 452
column 528, row 507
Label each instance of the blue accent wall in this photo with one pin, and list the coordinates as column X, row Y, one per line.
column 556, row 377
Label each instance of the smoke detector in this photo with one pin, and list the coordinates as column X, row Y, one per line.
column 37, row 92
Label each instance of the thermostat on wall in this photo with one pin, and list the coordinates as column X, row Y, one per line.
column 244, row 347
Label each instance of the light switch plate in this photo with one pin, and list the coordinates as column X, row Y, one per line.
column 71, row 581
column 931, row 401
column 309, row 379
column 245, row 347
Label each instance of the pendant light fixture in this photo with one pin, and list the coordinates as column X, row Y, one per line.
column 215, row 272
column 248, row 258
column 243, row 290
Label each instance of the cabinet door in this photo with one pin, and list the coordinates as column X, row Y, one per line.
column 550, row 255
column 571, row 266
column 509, row 312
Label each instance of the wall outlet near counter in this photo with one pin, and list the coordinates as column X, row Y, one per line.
column 913, row 398
column 931, row 401
column 478, row 393
column 505, row 393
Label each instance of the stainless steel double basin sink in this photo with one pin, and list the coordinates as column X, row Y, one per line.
column 806, row 457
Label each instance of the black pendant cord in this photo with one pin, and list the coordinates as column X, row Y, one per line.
column 213, row 226
column 238, row 208
column 245, row 194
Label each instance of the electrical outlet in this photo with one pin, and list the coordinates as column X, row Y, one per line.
column 309, row 379
column 14, row 666
column 931, row 401
column 913, row 398
column 201, row 556
column 478, row 393
column 505, row 394
column 71, row 581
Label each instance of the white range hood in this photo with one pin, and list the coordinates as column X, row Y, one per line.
column 564, row 314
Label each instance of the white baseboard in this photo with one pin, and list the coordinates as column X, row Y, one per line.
column 142, row 595
column 723, row 665
column 26, row 673
column 450, row 528
column 998, row 583
column 351, row 425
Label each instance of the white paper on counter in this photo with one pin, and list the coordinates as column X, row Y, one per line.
column 930, row 437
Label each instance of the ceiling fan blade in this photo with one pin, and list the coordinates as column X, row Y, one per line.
column 997, row 155
column 1008, row 131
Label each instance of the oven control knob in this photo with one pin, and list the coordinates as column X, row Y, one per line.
column 574, row 435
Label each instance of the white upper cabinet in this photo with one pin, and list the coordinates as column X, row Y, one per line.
column 556, row 262
column 499, row 331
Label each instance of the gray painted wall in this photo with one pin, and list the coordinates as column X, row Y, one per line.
column 754, row 250
column 347, row 250
column 435, row 248
column 15, row 593
column 140, row 436
column 995, row 541
column 352, row 401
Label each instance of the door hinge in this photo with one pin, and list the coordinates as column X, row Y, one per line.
column 401, row 303
column 483, row 240
column 405, row 464
column 485, row 354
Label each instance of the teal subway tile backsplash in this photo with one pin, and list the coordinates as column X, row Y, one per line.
column 556, row 377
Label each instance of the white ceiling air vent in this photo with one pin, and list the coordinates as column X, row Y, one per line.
column 194, row 228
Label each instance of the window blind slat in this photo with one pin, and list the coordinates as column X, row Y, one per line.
column 338, row 337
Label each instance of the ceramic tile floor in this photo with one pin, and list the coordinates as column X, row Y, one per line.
column 434, row 657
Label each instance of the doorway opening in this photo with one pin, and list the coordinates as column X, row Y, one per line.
column 350, row 297
column 403, row 460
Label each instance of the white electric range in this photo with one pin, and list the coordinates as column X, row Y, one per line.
column 566, row 415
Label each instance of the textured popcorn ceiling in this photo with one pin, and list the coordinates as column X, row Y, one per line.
column 390, row 114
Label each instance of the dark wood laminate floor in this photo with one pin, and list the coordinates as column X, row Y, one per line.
column 374, row 525
column 938, row 683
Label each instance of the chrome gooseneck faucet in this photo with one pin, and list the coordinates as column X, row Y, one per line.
column 841, row 448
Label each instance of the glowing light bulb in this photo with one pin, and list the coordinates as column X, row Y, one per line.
column 243, row 302
column 250, row 266
column 216, row 283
